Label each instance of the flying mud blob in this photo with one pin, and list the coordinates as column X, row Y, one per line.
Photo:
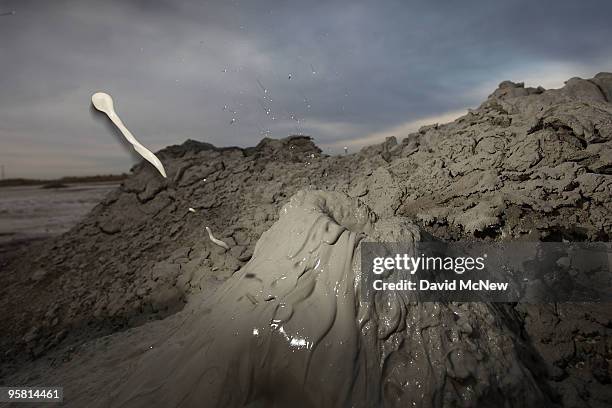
column 104, row 103
column 215, row 240
column 294, row 328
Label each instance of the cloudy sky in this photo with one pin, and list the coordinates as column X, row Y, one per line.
column 232, row 72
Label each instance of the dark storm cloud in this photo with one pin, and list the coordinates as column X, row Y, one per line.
column 230, row 72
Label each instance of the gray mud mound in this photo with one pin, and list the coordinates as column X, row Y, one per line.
column 290, row 329
column 528, row 164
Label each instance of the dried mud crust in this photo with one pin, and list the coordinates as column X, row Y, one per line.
column 528, row 164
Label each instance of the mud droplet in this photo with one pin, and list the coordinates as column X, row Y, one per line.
column 104, row 103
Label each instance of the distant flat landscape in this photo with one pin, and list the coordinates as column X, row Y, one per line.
column 106, row 178
column 32, row 212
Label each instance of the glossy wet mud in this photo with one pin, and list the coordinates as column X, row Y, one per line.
column 290, row 329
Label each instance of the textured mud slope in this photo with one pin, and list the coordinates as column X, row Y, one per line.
column 527, row 164
column 293, row 329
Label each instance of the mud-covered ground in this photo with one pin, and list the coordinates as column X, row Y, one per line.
column 528, row 164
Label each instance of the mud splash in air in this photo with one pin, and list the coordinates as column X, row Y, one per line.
column 292, row 329
column 104, row 103
column 215, row 240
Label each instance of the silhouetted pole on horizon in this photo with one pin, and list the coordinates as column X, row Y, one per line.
column 2, row 171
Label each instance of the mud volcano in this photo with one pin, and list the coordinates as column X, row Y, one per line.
column 290, row 329
column 278, row 319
